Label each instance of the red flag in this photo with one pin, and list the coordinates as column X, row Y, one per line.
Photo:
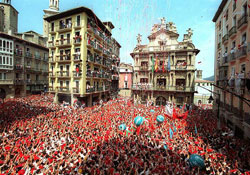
column 163, row 68
column 199, row 62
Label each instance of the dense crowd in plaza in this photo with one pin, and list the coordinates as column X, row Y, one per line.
column 40, row 137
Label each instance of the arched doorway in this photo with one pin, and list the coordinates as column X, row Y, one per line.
column 2, row 93
column 161, row 101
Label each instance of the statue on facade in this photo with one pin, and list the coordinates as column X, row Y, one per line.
column 163, row 23
column 188, row 36
column 139, row 39
column 190, row 33
column 154, row 28
column 172, row 27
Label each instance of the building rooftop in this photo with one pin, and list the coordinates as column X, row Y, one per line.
column 4, row 35
column 220, row 9
column 8, row 5
column 76, row 11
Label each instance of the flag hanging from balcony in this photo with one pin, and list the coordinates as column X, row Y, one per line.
column 199, row 62
column 163, row 68
column 169, row 65
column 156, row 65
column 153, row 64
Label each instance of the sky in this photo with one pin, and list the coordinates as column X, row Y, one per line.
column 131, row 17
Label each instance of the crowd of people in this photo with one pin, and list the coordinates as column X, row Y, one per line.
column 38, row 136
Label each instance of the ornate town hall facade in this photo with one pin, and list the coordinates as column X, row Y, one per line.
column 164, row 69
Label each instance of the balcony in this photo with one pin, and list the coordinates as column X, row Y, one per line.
column 63, row 74
column 90, row 43
column 65, row 28
column 63, row 89
column 89, row 90
column 76, row 90
column 77, row 39
column 64, row 59
column 180, row 67
column 19, row 67
column 52, row 89
column 90, row 58
column 98, row 34
column 98, row 48
column 242, row 52
column 225, row 38
column 52, row 60
column 19, row 81
column 77, row 74
column 98, row 60
column 106, row 52
column 51, row 74
column 225, row 60
column 144, row 68
column 6, row 82
column 38, row 56
column 77, row 57
column 232, row 32
column 28, row 55
column 115, row 77
column 28, row 66
column 232, row 56
column 162, row 88
column 100, row 89
column 51, row 44
column 107, row 88
column 77, row 25
column 64, row 43
column 242, row 22
column 19, row 52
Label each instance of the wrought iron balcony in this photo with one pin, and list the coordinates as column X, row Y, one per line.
column 78, row 39
column 232, row 56
column 63, row 74
column 6, row 82
column 63, row 89
column 242, row 51
column 225, row 38
column 28, row 55
column 242, row 20
column 232, row 31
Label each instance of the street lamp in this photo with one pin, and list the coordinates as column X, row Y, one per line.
column 210, row 99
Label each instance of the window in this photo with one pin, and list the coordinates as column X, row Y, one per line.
column 243, row 68
column 78, row 20
column 227, row 29
column 244, row 9
column 11, row 49
column 125, row 84
column 37, row 77
column 243, row 39
column 17, row 75
column 67, row 84
column 4, row 45
column 4, row 60
column 8, row 45
column 220, row 25
column 1, row 45
column 233, row 44
column 52, row 26
column 7, row 60
column 28, row 76
column 1, row 62
column 234, row 5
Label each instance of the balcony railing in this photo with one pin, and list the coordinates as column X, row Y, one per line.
column 162, row 88
column 18, row 67
column 232, row 31
column 90, row 58
column 180, row 67
column 232, row 56
column 225, row 60
column 242, row 20
column 65, row 26
column 100, row 89
column 63, row 89
column 98, row 60
column 19, row 82
column 64, row 42
column 89, row 90
column 144, row 68
column 6, row 82
column 28, row 54
column 19, row 52
column 225, row 38
column 76, row 90
column 63, row 74
column 77, row 56
column 64, row 58
column 78, row 39
column 77, row 74
column 242, row 51
column 38, row 57
column 90, row 43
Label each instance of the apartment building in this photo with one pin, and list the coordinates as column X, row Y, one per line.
column 23, row 67
column 232, row 66
column 80, row 60
column 125, row 79
column 164, row 69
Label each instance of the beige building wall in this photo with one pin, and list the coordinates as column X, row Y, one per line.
column 1, row 19
column 10, row 18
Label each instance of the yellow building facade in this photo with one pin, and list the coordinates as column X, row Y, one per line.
column 80, row 56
